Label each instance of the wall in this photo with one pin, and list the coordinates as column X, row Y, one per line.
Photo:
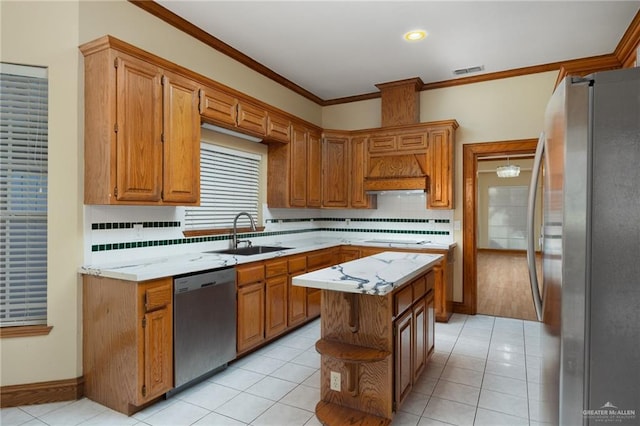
column 27, row 360
column 48, row 33
column 498, row 110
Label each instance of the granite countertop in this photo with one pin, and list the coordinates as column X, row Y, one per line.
column 379, row 274
column 178, row 264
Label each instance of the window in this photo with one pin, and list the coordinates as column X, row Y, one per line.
column 23, row 195
column 508, row 217
column 229, row 184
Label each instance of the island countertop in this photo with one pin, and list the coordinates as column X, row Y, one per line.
column 379, row 274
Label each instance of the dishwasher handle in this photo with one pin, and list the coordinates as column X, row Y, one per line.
column 200, row 280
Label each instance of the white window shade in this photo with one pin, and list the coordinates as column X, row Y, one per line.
column 508, row 217
column 229, row 184
column 23, row 195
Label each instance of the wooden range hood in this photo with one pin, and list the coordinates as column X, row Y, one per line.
column 398, row 169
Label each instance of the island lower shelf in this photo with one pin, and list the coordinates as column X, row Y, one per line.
column 373, row 347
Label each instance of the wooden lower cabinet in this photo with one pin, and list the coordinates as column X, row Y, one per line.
column 380, row 345
column 297, row 296
column 251, row 307
column 420, row 319
column 276, row 305
column 404, row 331
column 127, row 341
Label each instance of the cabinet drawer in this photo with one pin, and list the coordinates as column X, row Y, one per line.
column 403, row 299
column 414, row 141
column 297, row 264
column 250, row 274
column 382, row 143
column 320, row 260
column 430, row 280
column 419, row 287
column 276, row 267
column 158, row 296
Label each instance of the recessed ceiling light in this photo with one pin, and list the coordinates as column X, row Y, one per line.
column 415, row 35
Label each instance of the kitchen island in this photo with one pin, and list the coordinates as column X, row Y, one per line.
column 377, row 334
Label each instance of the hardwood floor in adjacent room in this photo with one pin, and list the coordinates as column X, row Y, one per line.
column 503, row 284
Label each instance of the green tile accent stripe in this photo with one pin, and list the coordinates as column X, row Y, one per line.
column 204, row 239
column 128, row 225
column 355, row 219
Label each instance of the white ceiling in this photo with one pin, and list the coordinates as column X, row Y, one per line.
column 336, row 49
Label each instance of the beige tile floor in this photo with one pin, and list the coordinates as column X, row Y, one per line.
column 485, row 371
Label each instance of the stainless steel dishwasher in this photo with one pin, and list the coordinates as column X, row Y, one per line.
column 204, row 325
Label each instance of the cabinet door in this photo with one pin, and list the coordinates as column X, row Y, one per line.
column 155, row 352
column 420, row 328
column 181, row 183
column 158, row 348
column 138, row 130
column 335, row 160
column 219, row 106
column 297, row 299
column 276, row 305
column 298, row 167
column 431, row 323
column 253, row 118
column 250, row 315
column 441, row 169
column 278, row 128
column 358, row 157
column 403, row 365
column 314, row 170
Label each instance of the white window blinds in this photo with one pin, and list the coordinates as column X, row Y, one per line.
column 229, row 184
column 23, row 195
column 508, row 217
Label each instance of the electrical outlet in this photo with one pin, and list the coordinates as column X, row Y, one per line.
column 335, row 381
column 137, row 228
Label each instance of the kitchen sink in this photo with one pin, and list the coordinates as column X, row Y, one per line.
column 249, row 251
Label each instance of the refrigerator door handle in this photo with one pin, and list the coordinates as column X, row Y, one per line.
column 531, row 250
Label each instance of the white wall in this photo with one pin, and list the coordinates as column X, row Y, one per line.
column 48, row 33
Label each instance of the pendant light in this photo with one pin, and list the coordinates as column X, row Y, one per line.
column 508, row 171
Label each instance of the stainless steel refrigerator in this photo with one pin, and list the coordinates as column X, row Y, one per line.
column 589, row 160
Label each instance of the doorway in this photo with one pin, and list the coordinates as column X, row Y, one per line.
column 472, row 154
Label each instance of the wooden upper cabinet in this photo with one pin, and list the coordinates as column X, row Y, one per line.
column 294, row 170
column 219, row 106
column 358, row 197
column 413, row 141
column 278, row 127
column 138, row 130
column 298, row 167
column 131, row 105
column 253, row 118
column 335, row 163
column 314, row 169
column 382, row 143
column 181, row 183
column 441, row 164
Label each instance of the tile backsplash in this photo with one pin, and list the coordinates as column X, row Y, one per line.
column 115, row 234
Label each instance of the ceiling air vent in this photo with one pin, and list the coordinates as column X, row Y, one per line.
column 463, row 71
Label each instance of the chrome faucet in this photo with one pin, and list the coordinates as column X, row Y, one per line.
column 235, row 228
